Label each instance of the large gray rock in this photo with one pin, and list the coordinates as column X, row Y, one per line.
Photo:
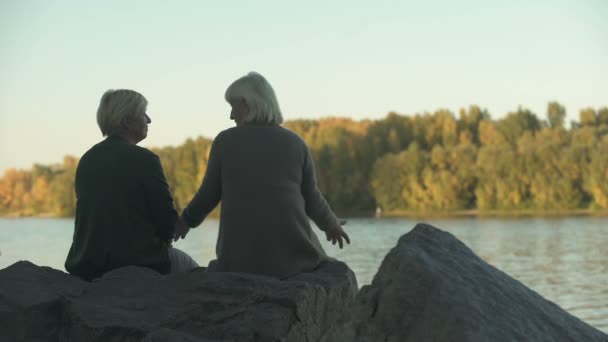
column 135, row 304
column 431, row 287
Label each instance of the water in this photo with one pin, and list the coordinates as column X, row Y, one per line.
column 564, row 259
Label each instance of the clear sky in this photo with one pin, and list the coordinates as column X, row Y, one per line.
column 359, row 59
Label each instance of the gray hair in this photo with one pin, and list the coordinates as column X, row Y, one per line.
column 259, row 97
column 116, row 106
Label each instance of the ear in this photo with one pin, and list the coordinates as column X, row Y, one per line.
column 245, row 109
column 127, row 123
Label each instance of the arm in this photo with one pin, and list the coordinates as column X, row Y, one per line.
column 160, row 201
column 210, row 192
column 316, row 206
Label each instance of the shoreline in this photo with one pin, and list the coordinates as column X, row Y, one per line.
column 471, row 213
column 553, row 213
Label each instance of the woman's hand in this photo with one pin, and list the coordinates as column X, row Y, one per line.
column 180, row 230
column 336, row 234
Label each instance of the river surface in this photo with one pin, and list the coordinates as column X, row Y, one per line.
column 563, row 259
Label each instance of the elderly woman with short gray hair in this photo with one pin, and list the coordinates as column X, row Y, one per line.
column 264, row 176
column 124, row 210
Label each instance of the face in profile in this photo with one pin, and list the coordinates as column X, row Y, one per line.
column 138, row 127
column 239, row 110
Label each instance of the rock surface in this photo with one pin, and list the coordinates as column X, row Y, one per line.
column 431, row 287
column 135, row 304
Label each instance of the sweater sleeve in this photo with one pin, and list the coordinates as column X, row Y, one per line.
column 210, row 192
column 316, row 206
column 159, row 199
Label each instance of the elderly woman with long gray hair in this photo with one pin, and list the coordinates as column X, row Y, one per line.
column 263, row 175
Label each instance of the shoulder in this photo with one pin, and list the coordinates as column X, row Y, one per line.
column 144, row 152
column 254, row 133
column 226, row 133
column 134, row 154
column 292, row 135
column 295, row 139
column 146, row 157
column 235, row 135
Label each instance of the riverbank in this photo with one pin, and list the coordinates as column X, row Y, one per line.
column 494, row 213
column 27, row 215
column 521, row 213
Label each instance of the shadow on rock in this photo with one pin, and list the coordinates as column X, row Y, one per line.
column 135, row 304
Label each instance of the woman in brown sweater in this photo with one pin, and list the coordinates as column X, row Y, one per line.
column 265, row 178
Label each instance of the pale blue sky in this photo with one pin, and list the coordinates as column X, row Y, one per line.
column 360, row 59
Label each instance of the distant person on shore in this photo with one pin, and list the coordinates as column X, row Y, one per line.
column 124, row 210
column 264, row 176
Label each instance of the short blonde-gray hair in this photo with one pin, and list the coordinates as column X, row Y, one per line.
column 116, row 106
column 259, row 97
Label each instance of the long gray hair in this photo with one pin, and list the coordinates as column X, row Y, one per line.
column 259, row 97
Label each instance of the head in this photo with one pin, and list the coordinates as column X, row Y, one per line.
column 253, row 101
column 122, row 113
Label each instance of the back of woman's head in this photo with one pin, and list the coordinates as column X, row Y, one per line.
column 259, row 97
column 116, row 106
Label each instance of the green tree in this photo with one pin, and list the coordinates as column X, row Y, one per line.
column 602, row 116
column 424, row 162
column 556, row 113
column 597, row 175
column 469, row 124
column 515, row 124
column 63, row 195
column 588, row 117
column 387, row 171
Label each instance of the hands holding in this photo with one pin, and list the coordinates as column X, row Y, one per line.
column 336, row 234
column 180, row 230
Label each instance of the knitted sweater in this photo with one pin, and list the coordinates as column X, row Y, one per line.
column 265, row 179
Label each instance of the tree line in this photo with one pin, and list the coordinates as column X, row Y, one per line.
column 428, row 162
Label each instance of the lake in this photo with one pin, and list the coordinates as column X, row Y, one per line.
column 563, row 259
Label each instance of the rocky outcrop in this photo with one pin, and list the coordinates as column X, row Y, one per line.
column 431, row 287
column 135, row 304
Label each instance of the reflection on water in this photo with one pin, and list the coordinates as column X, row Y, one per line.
column 565, row 260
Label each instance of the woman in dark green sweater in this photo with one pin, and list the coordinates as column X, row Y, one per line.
column 124, row 209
